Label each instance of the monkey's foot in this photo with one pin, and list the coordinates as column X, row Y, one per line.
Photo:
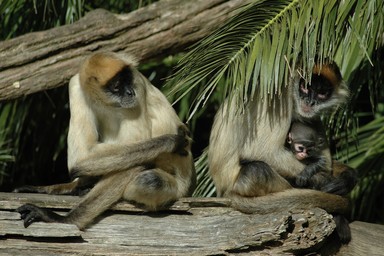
column 30, row 213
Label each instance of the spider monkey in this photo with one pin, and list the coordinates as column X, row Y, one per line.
column 123, row 131
column 247, row 157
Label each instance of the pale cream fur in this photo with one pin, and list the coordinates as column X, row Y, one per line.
column 101, row 136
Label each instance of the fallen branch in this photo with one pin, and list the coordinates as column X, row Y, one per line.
column 191, row 226
column 44, row 60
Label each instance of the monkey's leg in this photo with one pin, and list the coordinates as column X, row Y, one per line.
column 154, row 188
column 79, row 186
column 57, row 189
column 106, row 192
column 345, row 179
column 256, row 178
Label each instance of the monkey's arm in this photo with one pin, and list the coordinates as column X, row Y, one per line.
column 317, row 165
column 103, row 160
column 285, row 163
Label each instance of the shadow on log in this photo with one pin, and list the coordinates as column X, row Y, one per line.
column 191, row 226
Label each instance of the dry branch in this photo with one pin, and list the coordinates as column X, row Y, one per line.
column 191, row 226
column 44, row 60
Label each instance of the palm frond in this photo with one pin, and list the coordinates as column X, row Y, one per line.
column 366, row 144
column 252, row 51
column 365, row 152
column 205, row 186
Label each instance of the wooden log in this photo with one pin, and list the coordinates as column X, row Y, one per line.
column 191, row 226
column 367, row 239
column 44, row 60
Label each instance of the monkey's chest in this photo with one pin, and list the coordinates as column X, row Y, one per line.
column 124, row 132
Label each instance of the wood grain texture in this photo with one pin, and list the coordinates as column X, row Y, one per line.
column 191, row 226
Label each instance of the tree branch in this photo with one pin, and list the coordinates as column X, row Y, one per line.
column 44, row 60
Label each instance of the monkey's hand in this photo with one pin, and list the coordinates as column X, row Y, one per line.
column 31, row 213
column 182, row 141
column 302, row 179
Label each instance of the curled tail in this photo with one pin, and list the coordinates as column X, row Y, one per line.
column 290, row 199
column 298, row 199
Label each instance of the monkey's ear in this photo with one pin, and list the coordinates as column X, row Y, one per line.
column 289, row 138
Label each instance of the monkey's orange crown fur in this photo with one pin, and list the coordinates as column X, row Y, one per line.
column 103, row 66
column 329, row 71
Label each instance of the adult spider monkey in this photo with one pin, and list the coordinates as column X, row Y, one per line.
column 247, row 157
column 124, row 131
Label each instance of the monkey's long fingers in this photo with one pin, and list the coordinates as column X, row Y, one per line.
column 29, row 214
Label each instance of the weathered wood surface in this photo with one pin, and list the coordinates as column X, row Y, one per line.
column 191, row 226
column 44, row 60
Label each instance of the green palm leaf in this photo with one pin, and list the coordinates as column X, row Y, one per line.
column 253, row 49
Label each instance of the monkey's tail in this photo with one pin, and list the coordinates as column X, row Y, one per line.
column 290, row 199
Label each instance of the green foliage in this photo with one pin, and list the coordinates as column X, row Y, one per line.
column 23, row 16
column 256, row 48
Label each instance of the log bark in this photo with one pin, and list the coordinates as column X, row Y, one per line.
column 44, row 60
column 191, row 226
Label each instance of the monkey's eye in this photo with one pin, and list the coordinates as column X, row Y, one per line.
column 322, row 96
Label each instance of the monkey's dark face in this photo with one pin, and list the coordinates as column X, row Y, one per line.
column 326, row 91
column 120, row 89
column 305, row 142
column 304, row 149
column 314, row 96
